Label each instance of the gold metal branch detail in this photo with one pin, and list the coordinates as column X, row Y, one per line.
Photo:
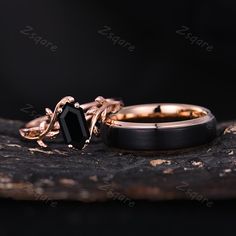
column 48, row 126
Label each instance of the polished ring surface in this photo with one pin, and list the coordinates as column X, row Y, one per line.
column 159, row 126
column 77, row 122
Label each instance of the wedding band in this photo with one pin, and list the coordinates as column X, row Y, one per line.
column 159, row 126
column 76, row 122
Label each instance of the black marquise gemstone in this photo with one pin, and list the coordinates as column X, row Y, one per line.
column 73, row 126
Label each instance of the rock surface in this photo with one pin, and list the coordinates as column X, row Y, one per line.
column 99, row 173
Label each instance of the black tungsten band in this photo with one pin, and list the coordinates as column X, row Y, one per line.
column 160, row 138
column 151, row 139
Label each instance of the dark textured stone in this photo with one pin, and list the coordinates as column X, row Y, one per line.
column 99, row 173
column 74, row 126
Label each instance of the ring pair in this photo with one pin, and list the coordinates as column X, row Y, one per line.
column 158, row 126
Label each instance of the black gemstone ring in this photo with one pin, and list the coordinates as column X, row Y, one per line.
column 159, row 127
column 76, row 122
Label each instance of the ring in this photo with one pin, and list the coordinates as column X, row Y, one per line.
column 159, row 126
column 76, row 122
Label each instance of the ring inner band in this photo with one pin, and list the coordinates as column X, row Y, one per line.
column 161, row 115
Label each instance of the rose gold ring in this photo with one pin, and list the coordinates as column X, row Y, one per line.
column 76, row 122
column 159, row 126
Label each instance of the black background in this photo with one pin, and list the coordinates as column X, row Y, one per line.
column 116, row 218
column 164, row 67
